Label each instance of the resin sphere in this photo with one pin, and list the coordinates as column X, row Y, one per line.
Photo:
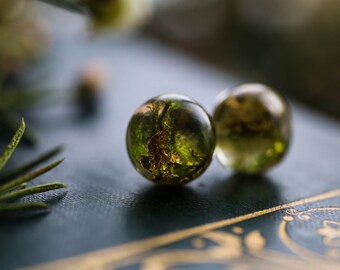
column 170, row 139
column 253, row 128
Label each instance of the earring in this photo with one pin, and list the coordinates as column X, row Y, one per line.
column 170, row 139
column 253, row 128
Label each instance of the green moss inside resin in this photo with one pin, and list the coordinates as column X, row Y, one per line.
column 253, row 129
column 170, row 140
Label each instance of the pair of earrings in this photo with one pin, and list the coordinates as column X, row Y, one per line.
column 171, row 139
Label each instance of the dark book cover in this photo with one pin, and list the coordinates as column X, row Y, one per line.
column 112, row 218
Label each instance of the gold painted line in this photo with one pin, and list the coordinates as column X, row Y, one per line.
column 319, row 209
column 100, row 258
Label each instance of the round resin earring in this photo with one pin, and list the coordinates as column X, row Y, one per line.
column 253, row 128
column 170, row 139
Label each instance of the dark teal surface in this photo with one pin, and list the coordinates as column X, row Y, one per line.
column 108, row 203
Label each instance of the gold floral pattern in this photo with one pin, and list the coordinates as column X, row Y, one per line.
column 231, row 243
column 331, row 232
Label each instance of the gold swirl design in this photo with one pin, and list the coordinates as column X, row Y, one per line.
column 228, row 248
column 303, row 215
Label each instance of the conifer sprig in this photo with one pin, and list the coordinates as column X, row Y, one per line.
column 13, row 183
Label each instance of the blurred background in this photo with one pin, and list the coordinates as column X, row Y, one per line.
column 292, row 45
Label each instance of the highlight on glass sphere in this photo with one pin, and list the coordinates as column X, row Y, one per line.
column 253, row 128
column 170, row 139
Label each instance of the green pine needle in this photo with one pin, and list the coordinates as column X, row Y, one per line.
column 13, row 186
column 29, row 191
column 9, row 120
column 28, row 177
column 30, row 165
column 6, row 155
column 19, row 207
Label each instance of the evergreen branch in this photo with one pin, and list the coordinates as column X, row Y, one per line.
column 30, row 191
column 30, row 165
column 6, row 155
column 29, row 206
column 28, row 177
column 12, row 188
